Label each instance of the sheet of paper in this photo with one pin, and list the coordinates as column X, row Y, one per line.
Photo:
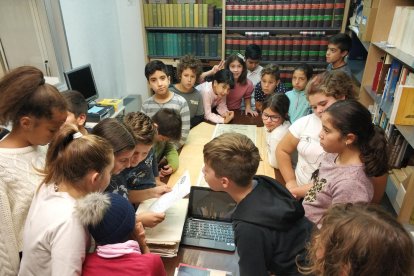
column 180, row 189
column 248, row 130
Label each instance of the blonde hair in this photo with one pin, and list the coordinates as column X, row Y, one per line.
column 234, row 156
column 142, row 127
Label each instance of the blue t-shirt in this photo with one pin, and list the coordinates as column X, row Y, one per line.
column 298, row 105
column 259, row 96
column 143, row 175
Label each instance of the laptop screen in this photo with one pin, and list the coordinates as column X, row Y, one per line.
column 210, row 205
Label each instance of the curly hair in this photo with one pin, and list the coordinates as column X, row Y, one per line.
column 142, row 127
column 189, row 62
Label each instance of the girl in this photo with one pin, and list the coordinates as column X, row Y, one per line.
column 121, row 249
column 54, row 239
column 356, row 150
column 303, row 135
column 276, row 122
column 269, row 84
column 360, row 240
column 243, row 87
column 214, row 97
column 36, row 110
column 188, row 71
column 299, row 104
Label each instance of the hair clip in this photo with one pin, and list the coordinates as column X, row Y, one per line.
column 77, row 135
column 42, row 82
column 240, row 56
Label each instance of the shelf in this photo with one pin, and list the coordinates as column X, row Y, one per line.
column 289, row 62
column 184, row 29
column 374, row 96
column 274, row 30
column 178, row 57
column 405, row 58
column 356, row 32
column 408, row 133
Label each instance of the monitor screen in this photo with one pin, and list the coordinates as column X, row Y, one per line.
column 81, row 79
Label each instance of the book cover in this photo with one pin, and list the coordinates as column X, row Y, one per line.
column 187, row 270
column 377, row 74
column 403, row 107
column 395, row 76
column 196, row 16
column 205, row 15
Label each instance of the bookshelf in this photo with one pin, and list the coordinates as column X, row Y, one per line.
column 379, row 50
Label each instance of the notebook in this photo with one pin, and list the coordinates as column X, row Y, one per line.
column 208, row 223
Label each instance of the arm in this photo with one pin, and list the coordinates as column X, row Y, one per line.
column 275, row 138
column 248, row 99
column 199, row 115
column 300, row 191
column 284, row 150
column 139, row 235
column 211, row 72
column 150, row 219
column 210, row 116
column 171, row 154
column 138, row 196
column 258, row 106
column 379, row 184
column 185, row 118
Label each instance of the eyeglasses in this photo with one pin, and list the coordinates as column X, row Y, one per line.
column 273, row 118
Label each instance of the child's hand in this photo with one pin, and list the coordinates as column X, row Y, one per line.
column 150, row 219
column 166, row 170
column 251, row 112
column 218, row 67
column 228, row 117
column 160, row 190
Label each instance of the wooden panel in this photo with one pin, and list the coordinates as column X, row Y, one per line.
column 408, row 202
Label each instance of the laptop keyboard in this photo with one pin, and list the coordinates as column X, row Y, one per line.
column 209, row 230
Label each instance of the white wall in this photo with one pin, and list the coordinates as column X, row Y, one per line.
column 108, row 35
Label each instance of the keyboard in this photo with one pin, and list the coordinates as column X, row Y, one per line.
column 216, row 231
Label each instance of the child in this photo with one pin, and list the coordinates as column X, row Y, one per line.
column 36, row 110
column 339, row 46
column 54, row 239
column 214, row 97
column 356, row 150
column 77, row 109
column 299, row 106
column 303, row 135
column 243, row 87
column 269, row 225
column 168, row 123
column 360, row 240
column 276, row 123
column 188, row 71
column 269, row 84
column 121, row 140
column 121, row 249
column 157, row 75
column 253, row 55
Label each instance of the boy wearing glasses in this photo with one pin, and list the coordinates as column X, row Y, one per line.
column 275, row 116
column 269, row 84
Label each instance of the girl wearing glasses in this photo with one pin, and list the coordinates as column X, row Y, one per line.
column 276, row 122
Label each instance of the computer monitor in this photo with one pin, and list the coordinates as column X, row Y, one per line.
column 82, row 80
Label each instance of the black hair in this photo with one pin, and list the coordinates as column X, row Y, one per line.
column 305, row 68
column 243, row 76
column 76, row 102
column 343, row 41
column 350, row 116
column 153, row 66
column 278, row 103
column 224, row 76
column 253, row 52
column 169, row 123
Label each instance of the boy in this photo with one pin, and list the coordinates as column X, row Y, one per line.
column 77, row 109
column 269, row 225
column 253, row 55
column 156, row 73
column 188, row 71
column 168, row 123
column 339, row 46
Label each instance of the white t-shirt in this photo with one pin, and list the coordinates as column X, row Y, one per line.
column 310, row 152
column 54, row 241
column 272, row 140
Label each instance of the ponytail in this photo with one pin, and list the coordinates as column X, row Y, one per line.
column 375, row 153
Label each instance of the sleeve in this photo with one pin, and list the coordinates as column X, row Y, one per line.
column 68, row 248
column 144, row 107
column 249, row 90
column 351, row 190
column 207, row 103
column 297, row 127
column 257, row 91
column 154, row 164
column 250, row 241
column 222, row 107
column 200, row 106
column 185, row 118
column 274, row 141
column 171, row 154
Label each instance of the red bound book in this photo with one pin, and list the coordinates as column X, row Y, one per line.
column 376, row 75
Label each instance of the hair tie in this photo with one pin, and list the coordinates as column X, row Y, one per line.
column 77, row 135
column 240, row 56
column 42, row 81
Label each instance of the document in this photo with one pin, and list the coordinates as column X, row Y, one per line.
column 180, row 190
column 248, row 130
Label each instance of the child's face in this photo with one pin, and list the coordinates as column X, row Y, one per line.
column 269, row 83
column 299, row 80
column 104, row 177
column 122, row 161
column 330, row 138
column 159, row 82
column 334, row 54
column 319, row 102
column 188, row 78
column 252, row 64
column 140, row 153
column 271, row 119
column 236, row 68
column 40, row 131
column 221, row 89
column 210, row 177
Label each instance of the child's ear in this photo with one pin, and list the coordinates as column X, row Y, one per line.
column 26, row 122
column 81, row 119
column 94, row 180
column 350, row 138
column 344, row 53
column 225, row 182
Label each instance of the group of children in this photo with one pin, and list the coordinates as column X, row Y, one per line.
column 59, row 184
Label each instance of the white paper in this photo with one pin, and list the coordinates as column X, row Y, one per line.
column 180, row 190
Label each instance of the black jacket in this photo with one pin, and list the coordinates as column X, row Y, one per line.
column 270, row 230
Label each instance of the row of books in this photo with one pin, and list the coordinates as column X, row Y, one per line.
column 285, row 13
column 179, row 44
column 281, row 47
column 182, row 15
column 401, row 34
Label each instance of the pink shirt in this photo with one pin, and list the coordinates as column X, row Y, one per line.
column 239, row 92
column 210, row 100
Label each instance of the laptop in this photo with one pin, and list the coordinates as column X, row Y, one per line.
column 208, row 223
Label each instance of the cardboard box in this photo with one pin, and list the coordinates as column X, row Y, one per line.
column 371, row 3
column 367, row 23
column 116, row 103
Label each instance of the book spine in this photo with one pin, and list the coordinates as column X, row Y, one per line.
column 196, row 16
column 250, row 14
column 211, row 16
column 272, row 47
column 229, row 14
column 265, row 48
column 270, row 15
column 323, row 45
column 285, row 13
column 307, row 9
column 256, row 17
column 296, row 45
column 299, row 13
column 328, row 13
column 278, row 17
column 263, row 15
column 314, row 49
column 293, row 13
column 338, row 14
